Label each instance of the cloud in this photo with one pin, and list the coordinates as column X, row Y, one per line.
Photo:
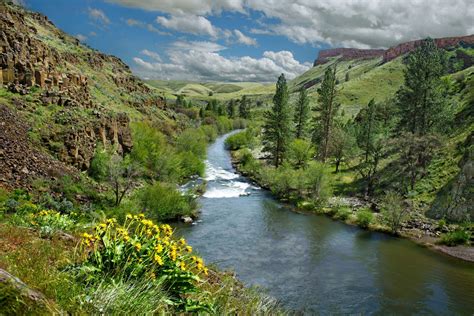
column 203, row 61
column 188, row 23
column 152, row 55
column 195, row 7
column 353, row 23
column 147, row 26
column 81, row 37
column 98, row 15
column 243, row 39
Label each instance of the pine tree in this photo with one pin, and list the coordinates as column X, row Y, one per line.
column 421, row 102
column 301, row 114
column 277, row 132
column 327, row 109
column 244, row 107
column 371, row 135
column 231, row 109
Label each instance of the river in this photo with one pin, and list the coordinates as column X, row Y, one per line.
column 314, row 264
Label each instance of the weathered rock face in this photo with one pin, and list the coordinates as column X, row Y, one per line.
column 455, row 201
column 20, row 162
column 401, row 49
column 389, row 54
column 54, row 68
column 347, row 54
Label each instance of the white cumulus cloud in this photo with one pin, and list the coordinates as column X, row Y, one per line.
column 244, row 39
column 188, row 23
column 98, row 15
column 204, row 61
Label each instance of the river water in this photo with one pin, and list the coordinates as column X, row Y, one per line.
column 314, row 264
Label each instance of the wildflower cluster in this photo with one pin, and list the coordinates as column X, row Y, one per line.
column 141, row 249
column 49, row 221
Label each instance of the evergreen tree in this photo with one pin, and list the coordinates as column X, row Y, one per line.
column 301, row 114
column 326, row 111
column 421, row 100
column 276, row 134
column 231, row 108
column 244, row 107
column 371, row 135
column 180, row 100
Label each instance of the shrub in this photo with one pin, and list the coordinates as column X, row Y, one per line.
column 343, row 213
column 99, row 164
column 47, row 222
column 162, row 201
column 318, row 183
column 191, row 165
column 142, row 250
column 393, row 211
column 192, row 140
column 364, row 218
column 210, row 131
column 454, row 238
column 237, row 141
column 300, row 152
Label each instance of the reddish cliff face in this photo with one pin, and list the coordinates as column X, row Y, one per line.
column 347, row 54
column 401, row 49
column 389, row 54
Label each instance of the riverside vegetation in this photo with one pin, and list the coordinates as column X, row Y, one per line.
column 92, row 161
column 390, row 156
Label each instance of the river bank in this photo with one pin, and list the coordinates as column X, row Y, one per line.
column 420, row 230
column 315, row 264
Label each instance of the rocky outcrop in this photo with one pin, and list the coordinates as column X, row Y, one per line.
column 347, row 54
column 456, row 200
column 401, row 49
column 20, row 161
column 389, row 54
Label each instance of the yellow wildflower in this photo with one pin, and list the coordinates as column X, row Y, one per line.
column 205, row 271
column 189, row 248
column 182, row 241
column 200, row 266
column 141, row 215
column 129, row 216
column 138, row 246
column 158, row 259
column 182, row 265
column 159, row 248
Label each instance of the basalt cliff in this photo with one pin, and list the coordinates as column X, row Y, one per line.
column 59, row 99
column 390, row 53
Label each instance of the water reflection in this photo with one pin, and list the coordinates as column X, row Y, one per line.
column 314, row 264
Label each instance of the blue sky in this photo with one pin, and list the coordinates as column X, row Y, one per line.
column 245, row 40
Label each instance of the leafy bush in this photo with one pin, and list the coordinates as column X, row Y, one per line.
column 343, row 213
column 99, row 164
column 364, row 218
column 191, row 164
column 162, row 201
column 393, row 211
column 142, row 250
column 210, row 131
column 47, row 222
column 192, row 140
column 318, row 183
column 237, row 141
column 454, row 238
column 300, row 152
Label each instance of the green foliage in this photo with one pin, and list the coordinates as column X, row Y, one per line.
column 318, row 183
column 99, row 164
column 194, row 141
column 421, row 100
column 326, row 109
column 343, row 213
column 301, row 116
column 190, row 164
column 46, row 222
column 300, row 151
column 210, row 131
column 364, row 218
column 276, row 134
column 394, row 212
column 238, row 140
column 141, row 250
column 458, row 237
column 244, row 107
column 162, row 201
